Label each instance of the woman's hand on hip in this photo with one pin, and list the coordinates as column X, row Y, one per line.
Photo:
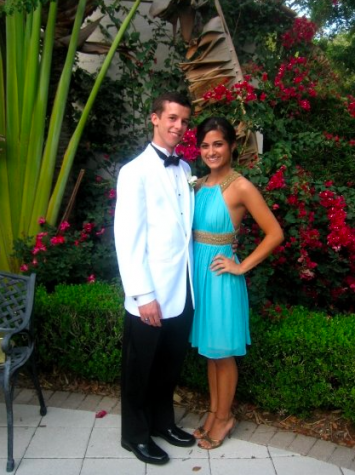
column 222, row 265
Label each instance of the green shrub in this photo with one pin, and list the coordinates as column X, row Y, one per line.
column 79, row 328
column 300, row 361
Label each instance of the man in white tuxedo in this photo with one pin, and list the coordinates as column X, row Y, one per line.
column 153, row 223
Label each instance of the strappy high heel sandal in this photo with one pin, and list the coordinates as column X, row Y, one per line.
column 215, row 443
column 201, row 432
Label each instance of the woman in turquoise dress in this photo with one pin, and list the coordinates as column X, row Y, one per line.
column 220, row 329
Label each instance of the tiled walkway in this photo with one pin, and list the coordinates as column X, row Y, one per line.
column 69, row 440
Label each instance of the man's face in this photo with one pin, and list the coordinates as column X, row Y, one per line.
column 170, row 127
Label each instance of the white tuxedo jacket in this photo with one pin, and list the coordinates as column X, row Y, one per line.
column 153, row 240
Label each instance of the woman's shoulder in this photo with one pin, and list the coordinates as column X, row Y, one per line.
column 200, row 182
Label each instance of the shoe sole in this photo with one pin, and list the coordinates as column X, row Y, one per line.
column 143, row 459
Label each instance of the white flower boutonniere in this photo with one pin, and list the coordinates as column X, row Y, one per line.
column 192, row 180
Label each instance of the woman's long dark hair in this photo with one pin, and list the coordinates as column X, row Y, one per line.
column 216, row 123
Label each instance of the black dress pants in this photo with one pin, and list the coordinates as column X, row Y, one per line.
column 152, row 358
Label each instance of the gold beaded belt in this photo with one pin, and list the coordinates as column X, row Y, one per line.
column 213, row 238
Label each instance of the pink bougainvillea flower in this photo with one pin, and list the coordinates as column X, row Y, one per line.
column 99, row 233
column 39, row 247
column 100, row 414
column 34, row 262
column 88, row 227
column 262, row 96
column 98, row 178
column 112, row 194
column 275, row 206
column 64, row 226
column 91, row 279
column 41, row 220
column 24, row 268
column 56, row 240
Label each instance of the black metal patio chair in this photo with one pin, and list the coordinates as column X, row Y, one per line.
column 17, row 344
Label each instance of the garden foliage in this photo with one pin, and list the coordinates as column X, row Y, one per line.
column 79, row 329
column 305, row 172
column 299, row 360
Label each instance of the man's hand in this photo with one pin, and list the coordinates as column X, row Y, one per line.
column 151, row 313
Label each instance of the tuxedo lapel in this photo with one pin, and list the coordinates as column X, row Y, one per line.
column 157, row 166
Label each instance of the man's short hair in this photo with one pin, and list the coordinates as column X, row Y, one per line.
column 158, row 105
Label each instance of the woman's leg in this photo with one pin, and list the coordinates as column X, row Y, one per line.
column 212, row 384
column 226, row 378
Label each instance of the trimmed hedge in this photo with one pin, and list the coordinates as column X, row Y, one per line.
column 79, row 328
column 298, row 361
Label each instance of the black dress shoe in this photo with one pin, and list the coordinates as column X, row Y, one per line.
column 176, row 436
column 148, row 453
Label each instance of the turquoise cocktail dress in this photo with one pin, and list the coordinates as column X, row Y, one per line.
column 221, row 323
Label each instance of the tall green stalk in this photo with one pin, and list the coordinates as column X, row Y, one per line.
column 57, row 196
column 26, row 170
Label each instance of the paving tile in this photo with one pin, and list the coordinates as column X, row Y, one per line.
column 322, row 450
column 180, row 412
column 110, row 420
column 244, row 430
column 22, row 438
column 282, row 439
column 348, row 472
column 181, row 467
column 116, row 409
column 24, row 416
column 106, row 404
column 112, row 467
column 242, row 466
column 58, row 398
column 3, row 463
column 183, row 453
column 47, row 394
column 191, row 420
column 352, row 466
column 57, row 417
column 262, row 434
column 59, row 442
column 73, row 401
column 304, row 466
column 24, row 396
column 342, row 456
column 50, row 467
column 240, row 449
column 275, row 452
column 302, row 444
column 106, row 442
column 90, row 403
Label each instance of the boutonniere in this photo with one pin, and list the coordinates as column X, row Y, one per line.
column 192, row 180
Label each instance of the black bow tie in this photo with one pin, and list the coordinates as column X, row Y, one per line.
column 168, row 160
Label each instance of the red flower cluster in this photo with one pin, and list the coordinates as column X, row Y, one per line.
column 302, row 31
column 351, row 106
column 39, row 246
column 338, row 140
column 187, row 148
column 57, row 240
column 341, row 235
column 219, row 93
column 243, row 90
column 293, row 82
column 277, row 180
